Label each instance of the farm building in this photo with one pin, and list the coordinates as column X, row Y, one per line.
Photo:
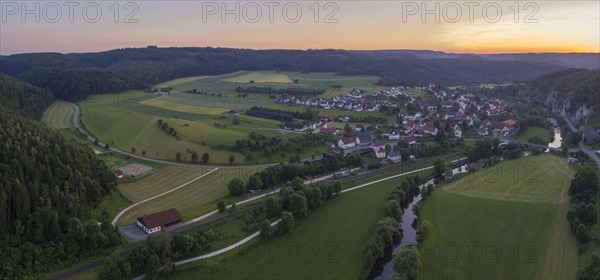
column 118, row 173
column 346, row 142
column 154, row 222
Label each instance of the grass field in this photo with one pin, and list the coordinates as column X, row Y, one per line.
column 329, row 244
column 59, row 115
column 504, row 222
column 191, row 201
column 544, row 133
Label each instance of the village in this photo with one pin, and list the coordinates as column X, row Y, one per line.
column 417, row 120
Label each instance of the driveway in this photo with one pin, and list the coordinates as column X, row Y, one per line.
column 132, row 233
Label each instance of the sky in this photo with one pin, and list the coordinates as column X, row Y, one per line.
column 472, row 26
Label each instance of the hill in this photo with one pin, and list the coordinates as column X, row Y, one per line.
column 74, row 76
column 24, row 98
column 48, row 188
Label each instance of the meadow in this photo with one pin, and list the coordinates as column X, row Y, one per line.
column 504, row 222
column 329, row 244
column 59, row 115
column 544, row 133
column 191, row 201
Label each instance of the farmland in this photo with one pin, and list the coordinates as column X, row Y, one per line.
column 203, row 123
column 59, row 115
column 191, row 201
column 504, row 222
column 321, row 243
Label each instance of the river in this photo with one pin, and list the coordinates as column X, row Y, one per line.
column 409, row 234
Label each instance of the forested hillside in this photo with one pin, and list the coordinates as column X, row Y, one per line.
column 48, row 187
column 24, row 98
column 74, row 76
column 578, row 86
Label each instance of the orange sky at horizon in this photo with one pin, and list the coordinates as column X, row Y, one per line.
column 554, row 26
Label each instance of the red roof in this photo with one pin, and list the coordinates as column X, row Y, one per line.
column 348, row 140
column 164, row 218
column 118, row 172
column 328, row 130
column 409, row 139
column 510, row 122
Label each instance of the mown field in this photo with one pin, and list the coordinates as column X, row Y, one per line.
column 191, row 201
column 504, row 222
column 544, row 133
column 59, row 115
column 329, row 244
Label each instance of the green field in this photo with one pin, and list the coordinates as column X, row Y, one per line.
column 544, row 133
column 226, row 84
column 59, row 115
column 191, row 201
column 504, row 222
column 329, row 244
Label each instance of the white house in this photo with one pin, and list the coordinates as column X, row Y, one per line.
column 346, row 142
column 394, row 136
column 395, row 156
column 458, row 132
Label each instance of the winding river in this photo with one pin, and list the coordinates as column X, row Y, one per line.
column 409, row 234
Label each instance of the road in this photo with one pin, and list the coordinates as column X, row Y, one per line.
column 582, row 146
column 121, row 152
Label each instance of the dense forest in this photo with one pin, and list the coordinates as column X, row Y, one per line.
column 578, row 86
column 23, row 98
column 74, row 76
column 48, row 188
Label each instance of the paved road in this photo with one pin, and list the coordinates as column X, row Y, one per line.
column 121, row 152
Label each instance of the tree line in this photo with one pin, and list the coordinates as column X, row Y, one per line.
column 296, row 91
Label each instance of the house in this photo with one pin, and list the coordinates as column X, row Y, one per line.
column 491, row 112
column 395, row 156
column 458, row 132
column 408, row 126
column 379, row 143
column 359, row 128
column 347, row 142
column 430, row 129
column 327, row 130
column 447, row 104
column 380, row 153
column 295, row 126
column 411, row 140
column 330, row 144
column 154, row 222
column 483, row 131
column 394, row 136
column 118, row 173
column 363, row 139
column 332, row 154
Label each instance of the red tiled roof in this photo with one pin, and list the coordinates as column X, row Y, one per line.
column 348, row 140
column 167, row 217
column 118, row 172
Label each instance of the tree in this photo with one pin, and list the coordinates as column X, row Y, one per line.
column 205, row 158
column 254, row 182
column 265, row 229
column 235, row 120
column 337, row 187
column 582, row 234
column 273, row 208
column 405, row 154
column 178, row 156
column 298, row 206
column 297, row 183
column 392, row 209
column 152, row 266
column 236, row 187
column 231, row 159
column 439, row 167
column 143, row 152
column 194, row 157
column 407, row 263
column 133, row 150
column 233, row 207
column 107, row 146
column 388, row 149
column 221, row 206
column 287, row 223
column 96, row 142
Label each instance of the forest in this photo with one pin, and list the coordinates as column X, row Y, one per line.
column 48, row 190
column 74, row 76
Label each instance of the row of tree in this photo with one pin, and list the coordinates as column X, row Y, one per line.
column 288, row 90
column 310, row 114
